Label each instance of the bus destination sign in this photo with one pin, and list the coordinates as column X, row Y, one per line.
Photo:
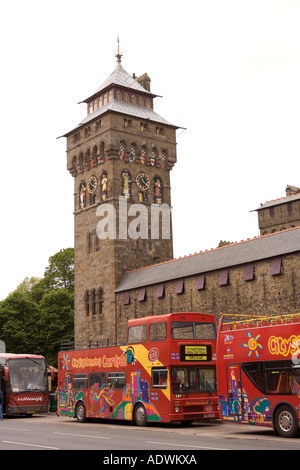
column 195, row 353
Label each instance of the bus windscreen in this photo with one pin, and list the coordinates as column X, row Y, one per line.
column 27, row 374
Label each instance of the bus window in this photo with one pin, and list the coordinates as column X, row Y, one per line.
column 207, row 379
column 116, row 379
column 255, row 372
column 205, row 331
column 279, row 375
column 80, row 381
column 192, row 330
column 97, row 378
column 158, row 331
column 194, row 380
column 182, row 330
column 159, row 378
column 184, row 380
column 27, row 374
column 137, row 334
column 274, row 377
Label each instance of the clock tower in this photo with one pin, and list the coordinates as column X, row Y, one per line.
column 120, row 156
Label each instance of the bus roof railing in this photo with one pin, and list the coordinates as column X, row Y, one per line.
column 251, row 321
column 69, row 345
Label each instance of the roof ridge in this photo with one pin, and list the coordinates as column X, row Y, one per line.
column 215, row 249
column 280, row 198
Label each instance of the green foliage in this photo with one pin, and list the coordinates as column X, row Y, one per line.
column 40, row 312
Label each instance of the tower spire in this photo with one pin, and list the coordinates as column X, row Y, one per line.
column 118, row 54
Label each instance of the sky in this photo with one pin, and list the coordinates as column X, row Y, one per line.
column 228, row 72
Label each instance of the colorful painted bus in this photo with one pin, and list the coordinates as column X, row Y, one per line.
column 165, row 372
column 24, row 383
column 258, row 371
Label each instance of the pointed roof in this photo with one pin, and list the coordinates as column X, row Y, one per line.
column 120, row 78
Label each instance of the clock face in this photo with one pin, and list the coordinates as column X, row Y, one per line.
column 143, row 181
column 92, row 184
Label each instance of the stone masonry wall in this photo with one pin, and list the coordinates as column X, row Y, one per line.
column 266, row 294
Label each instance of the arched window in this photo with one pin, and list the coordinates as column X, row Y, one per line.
column 75, row 169
column 94, row 302
column 122, row 151
column 153, row 157
column 143, row 155
column 163, row 160
column 132, row 153
column 100, row 301
column 119, row 96
column 87, row 302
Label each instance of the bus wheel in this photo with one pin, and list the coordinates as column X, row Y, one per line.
column 285, row 421
column 140, row 416
column 80, row 412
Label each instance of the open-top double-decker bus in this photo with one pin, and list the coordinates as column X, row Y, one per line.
column 258, row 371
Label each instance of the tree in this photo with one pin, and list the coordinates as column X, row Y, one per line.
column 60, row 272
column 40, row 312
column 18, row 323
column 56, row 320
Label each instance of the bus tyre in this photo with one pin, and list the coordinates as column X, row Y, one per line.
column 80, row 412
column 139, row 415
column 285, row 421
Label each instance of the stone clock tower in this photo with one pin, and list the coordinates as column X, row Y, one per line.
column 120, row 156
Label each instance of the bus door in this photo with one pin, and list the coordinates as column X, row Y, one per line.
column 234, row 390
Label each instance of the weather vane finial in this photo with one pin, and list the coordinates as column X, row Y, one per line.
column 118, row 54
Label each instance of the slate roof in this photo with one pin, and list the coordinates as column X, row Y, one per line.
column 119, row 77
column 251, row 250
column 276, row 202
column 128, row 109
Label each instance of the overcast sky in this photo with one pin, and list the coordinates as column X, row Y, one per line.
column 228, row 71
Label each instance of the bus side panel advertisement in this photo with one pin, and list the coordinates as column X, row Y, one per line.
column 258, row 373
column 104, row 398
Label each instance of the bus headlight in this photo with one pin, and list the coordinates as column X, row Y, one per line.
column 176, row 409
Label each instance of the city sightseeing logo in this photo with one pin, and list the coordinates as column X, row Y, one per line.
column 253, row 345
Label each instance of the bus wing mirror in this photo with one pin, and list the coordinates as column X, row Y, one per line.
column 51, row 370
column 6, row 374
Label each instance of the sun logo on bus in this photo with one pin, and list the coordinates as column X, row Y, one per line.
column 65, row 362
column 253, row 344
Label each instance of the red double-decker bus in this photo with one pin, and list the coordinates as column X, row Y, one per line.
column 165, row 372
column 24, row 383
column 258, row 371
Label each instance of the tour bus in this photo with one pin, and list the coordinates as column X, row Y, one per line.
column 258, row 371
column 166, row 371
column 24, row 383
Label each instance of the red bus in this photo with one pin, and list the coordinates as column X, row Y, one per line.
column 24, row 383
column 165, row 372
column 258, row 371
